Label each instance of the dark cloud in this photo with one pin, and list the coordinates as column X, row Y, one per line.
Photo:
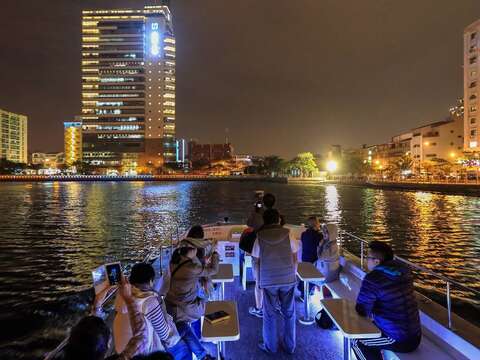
column 282, row 76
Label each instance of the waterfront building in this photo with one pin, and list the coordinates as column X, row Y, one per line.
column 437, row 143
column 72, row 142
column 128, row 88
column 48, row 160
column 471, row 86
column 13, row 137
column 209, row 153
column 382, row 156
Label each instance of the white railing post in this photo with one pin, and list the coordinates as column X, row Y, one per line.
column 449, row 306
column 361, row 254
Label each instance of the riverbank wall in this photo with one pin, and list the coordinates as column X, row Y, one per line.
column 472, row 188
column 89, row 178
column 451, row 188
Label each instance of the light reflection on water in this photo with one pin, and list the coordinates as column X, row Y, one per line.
column 53, row 234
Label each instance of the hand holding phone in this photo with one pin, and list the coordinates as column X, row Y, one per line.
column 114, row 273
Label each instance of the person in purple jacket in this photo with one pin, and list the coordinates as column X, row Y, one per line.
column 387, row 296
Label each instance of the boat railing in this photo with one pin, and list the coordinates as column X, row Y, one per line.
column 152, row 253
column 346, row 237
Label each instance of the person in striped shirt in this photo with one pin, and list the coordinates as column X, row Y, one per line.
column 161, row 329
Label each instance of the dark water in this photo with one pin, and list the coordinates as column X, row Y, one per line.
column 53, row 234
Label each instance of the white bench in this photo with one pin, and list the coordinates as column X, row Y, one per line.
column 228, row 330
column 348, row 286
column 426, row 350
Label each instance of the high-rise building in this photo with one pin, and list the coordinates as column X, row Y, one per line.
column 471, row 86
column 128, row 88
column 72, row 142
column 13, row 137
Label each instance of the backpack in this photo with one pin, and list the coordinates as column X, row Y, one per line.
column 324, row 321
column 247, row 240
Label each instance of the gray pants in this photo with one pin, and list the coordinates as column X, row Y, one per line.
column 272, row 298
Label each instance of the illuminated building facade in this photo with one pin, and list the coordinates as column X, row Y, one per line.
column 13, row 137
column 128, row 88
column 181, row 151
column 72, row 142
column 471, row 86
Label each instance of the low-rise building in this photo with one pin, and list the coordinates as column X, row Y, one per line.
column 438, row 142
column 48, row 160
column 208, row 153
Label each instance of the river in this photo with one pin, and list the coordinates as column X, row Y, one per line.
column 53, row 234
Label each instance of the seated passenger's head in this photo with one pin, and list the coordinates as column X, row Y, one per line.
column 89, row 339
column 142, row 274
column 196, row 232
column 184, row 251
column 271, row 217
column 159, row 355
column 313, row 223
column 378, row 253
column 269, row 200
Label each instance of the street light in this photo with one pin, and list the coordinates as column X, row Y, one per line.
column 332, row 165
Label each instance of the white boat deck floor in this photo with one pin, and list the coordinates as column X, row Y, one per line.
column 312, row 341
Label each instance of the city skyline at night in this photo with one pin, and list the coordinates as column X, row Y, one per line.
column 293, row 72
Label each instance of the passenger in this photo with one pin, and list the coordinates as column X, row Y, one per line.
column 328, row 262
column 277, row 254
column 90, row 338
column 185, row 299
column 387, row 295
column 159, row 355
column 311, row 240
column 256, row 222
column 161, row 328
column 195, row 238
column 267, row 201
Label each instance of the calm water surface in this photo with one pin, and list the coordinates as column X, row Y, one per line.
column 53, row 234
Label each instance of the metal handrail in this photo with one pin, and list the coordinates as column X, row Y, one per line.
column 446, row 279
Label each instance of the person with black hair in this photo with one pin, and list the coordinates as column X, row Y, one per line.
column 184, row 298
column 255, row 222
column 387, row 295
column 159, row 355
column 311, row 240
column 277, row 255
column 196, row 232
column 90, row 338
column 161, row 329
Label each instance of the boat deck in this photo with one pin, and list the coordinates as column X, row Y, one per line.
column 312, row 341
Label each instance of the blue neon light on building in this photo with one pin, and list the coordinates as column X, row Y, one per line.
column 155, row 40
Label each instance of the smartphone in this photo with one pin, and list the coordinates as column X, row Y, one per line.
column 258, row 205
column 114, row 273
column 217, row 316
column 100, row 281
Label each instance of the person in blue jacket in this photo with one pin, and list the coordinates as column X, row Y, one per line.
column 387, row 296
column 311, row 239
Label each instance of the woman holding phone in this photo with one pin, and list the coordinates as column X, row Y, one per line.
column 186, row 296
column 162, row 332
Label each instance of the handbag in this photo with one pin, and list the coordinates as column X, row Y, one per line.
column 324, row 320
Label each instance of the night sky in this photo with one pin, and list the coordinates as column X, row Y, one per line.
column 283, row 76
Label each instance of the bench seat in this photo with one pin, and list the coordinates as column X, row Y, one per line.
column 348, row 286
column 426, row 350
